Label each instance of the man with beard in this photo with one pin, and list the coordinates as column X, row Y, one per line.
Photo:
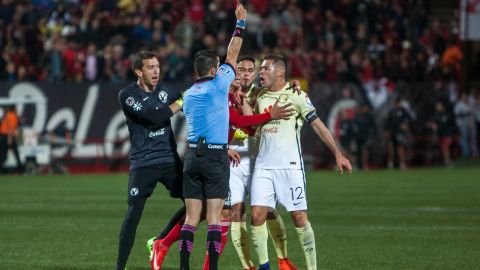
column 279, row 175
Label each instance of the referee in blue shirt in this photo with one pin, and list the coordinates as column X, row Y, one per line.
column 206, row 164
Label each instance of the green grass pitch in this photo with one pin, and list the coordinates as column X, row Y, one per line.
column 417, row 219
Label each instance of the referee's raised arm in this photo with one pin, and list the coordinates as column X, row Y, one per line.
column 206, row 167
column 235, row 44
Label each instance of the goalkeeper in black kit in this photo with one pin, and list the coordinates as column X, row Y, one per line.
column 148, row 106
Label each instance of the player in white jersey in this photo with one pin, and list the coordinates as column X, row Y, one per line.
column 240, row 178
column 279, row 176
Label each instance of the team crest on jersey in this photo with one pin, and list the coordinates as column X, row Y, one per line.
column 163, row 96
column 134, row 191
column 283, row 98
column 129, row 101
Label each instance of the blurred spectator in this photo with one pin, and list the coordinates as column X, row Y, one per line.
column 70, row 61
column 9, row 133
column 59, row 138
column 22, row 74
column 398, row 127
column 266, row 36
column 347, row 134
column 365, row 134
column 472, row 103
column 375, row 49
column 466, row 125
column 376, row 45
column 444, row 127
column 10, row 72
column 183, row 33
column 93, row 63
column 55, row 64
column 348, row 40
column 476, row 113
column 116, row 66
column 377, row 92
column 20, row 58
column 452, row 58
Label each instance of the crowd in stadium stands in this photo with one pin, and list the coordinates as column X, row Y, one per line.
column 375, row 44
column 324, row 40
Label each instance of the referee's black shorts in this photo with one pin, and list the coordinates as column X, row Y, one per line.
column 142, row 181
column 206, row 176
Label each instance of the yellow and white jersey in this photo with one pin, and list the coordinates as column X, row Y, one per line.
column 279, row 146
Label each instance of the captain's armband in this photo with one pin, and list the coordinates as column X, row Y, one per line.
column 311, row 116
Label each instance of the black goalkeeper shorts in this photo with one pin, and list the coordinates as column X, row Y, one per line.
column 142, row 181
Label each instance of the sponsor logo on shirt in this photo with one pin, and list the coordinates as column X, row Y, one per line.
column 274, row 122
column 272, row 130
column 159, row 132
column 213, row 146
column 163, row 96
column 137, row 106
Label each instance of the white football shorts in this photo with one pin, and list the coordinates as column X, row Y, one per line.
column 272, row 186
column 240, row 181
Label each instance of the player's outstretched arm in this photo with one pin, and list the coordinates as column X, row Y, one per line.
column 246, row 108
column 277, row 112
column 324, row 134
column 176, row 106
column 236, row 42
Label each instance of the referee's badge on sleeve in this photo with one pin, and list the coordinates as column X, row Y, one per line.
column 222, row 70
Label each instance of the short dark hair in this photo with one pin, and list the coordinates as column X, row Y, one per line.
column 246, row 58
column 205, row 60
column 137, row 62
column 277, row 60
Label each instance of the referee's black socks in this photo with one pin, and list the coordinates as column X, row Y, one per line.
column 185, row 244
column 214, row 245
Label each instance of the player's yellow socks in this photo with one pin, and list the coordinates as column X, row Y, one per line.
column 241, row 242
column 259, row 240
column 307, row 240
column 278, row 233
